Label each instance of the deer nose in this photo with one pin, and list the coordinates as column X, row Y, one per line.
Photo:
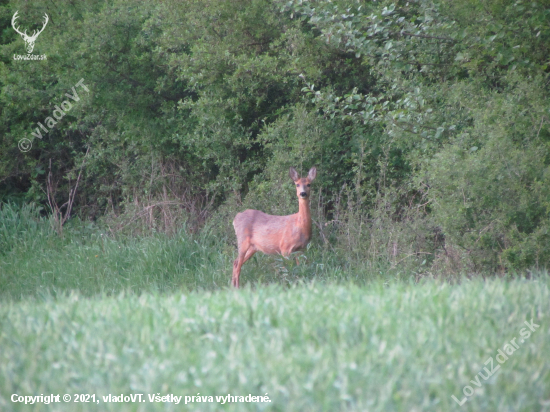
column 303, row 194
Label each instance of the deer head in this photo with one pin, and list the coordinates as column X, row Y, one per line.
column 29, row 40
column 302, row 184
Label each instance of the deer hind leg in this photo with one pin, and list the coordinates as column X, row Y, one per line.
column 244, row 255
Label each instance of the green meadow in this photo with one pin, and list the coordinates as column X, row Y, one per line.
column 91, row 314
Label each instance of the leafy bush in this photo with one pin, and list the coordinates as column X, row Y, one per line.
column 490, row 185
column 428, row 121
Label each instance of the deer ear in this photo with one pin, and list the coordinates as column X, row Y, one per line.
column 293, row 174
column 312, row 173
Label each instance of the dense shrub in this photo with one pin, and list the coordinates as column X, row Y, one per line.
column 428, row 121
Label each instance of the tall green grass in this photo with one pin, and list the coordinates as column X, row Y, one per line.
column 402, row 347
column 35, row 261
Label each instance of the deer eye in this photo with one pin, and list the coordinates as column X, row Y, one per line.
column 308, row 185
column 297, row 185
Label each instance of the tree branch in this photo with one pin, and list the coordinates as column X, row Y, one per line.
column 137, row 83
column 424, row 36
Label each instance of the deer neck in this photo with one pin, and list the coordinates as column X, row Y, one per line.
column 304, row 216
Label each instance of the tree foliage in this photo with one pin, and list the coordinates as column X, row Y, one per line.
column 425, row 118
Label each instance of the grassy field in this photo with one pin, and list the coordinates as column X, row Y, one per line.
column 310, row 347
column 88, row 314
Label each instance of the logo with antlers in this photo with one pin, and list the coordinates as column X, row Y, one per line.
column 29, row 40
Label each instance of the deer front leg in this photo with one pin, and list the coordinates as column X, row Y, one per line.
column 238, row 263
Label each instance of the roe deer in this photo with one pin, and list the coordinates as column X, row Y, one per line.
column 258, row 231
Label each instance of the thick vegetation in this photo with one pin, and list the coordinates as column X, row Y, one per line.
column 427, row 120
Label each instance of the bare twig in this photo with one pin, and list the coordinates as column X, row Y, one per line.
column 424, row 36
column 408, row 256
column 51, row 189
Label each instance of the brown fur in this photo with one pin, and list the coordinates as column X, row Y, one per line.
column 258, row 231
